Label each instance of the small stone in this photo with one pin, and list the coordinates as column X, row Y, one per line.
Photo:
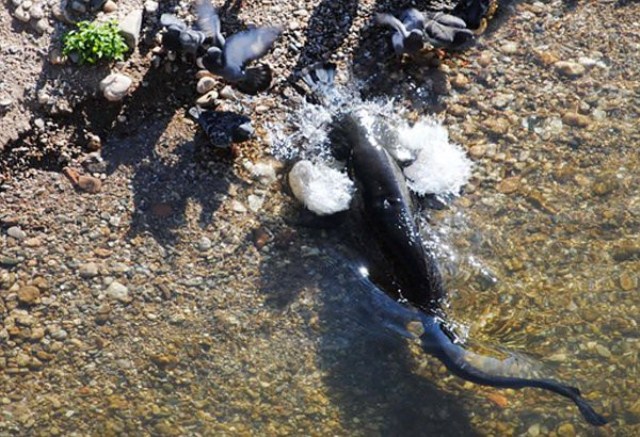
column 509, row 185
column 22, row 359
column 605, row 184
column 576, row 120
column 261, row 237
column 88, row 270
column 478, row 151
column 460, row 81
column 509, row 48
column 227, row 93
column 207, row 100
column 603, row 351
column 5, row 103
column 115, row 86
column 93, row 142
column 566, row 430
column 485, row 58
column 22, row 15
column 36, row 11
column 546, row 58
column 534, row 430
column 43, row 97
column 37, row 334
column 119, row 292
column 204, row 244
column 17, row 233
column 498, row 126
column 628, row 281
column 238, row 206
column 130, row 27
column 255, row 202
column 29, row 295
column 151, row 6
column 570, row 69
column 89, row 184
column 110, row 6
column 205, row 84
column 57, row 333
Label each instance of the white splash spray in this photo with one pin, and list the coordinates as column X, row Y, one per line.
column 439, row 167
column 433, row 165
column 322, row 189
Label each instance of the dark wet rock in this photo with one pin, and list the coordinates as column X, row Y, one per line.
column 223, row 127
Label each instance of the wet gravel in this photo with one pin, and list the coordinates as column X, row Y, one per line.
column 181, row 299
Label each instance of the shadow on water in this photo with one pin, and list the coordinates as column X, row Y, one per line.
column 369, row 372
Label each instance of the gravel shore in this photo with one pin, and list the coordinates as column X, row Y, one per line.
column 169, row 292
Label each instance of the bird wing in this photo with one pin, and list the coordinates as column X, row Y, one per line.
column 438, row 33
column 450, row 21
column 413, row 19
column 391, row 21
column 167, row 20
column 209, row 21
column 249, row 45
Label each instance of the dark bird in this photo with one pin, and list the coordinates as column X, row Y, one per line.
column 180, row 38
column 229, row 57
column 409, row 30
column 223, row 128
column 447, row 32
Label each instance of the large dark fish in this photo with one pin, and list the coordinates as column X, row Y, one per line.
column 388, row 211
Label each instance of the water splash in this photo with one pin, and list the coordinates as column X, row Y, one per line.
column 433, row 165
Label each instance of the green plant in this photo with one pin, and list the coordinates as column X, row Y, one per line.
column 93, row 42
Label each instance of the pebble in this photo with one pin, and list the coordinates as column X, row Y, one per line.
column 110, row 6
column 88, row 270
column 534, row 430
column 22, row 15
column 227, row 93
column 89, row 184
column 151, row 6
column 130, row 27
column 566, row 430
column 115, row 86
column 205, row 84
column 36, row 11
column 509, row 48
column 6, row 102
column 204, row 244
column 576, row 120
column 41, row 26
column 509, row 185
column 628, row 281
column 17, row 233
column 570, row 69
column 207, row 100
column 478, row 151
column 255, row 202
column 118, row 291
column 57, row 333
column 28, row 295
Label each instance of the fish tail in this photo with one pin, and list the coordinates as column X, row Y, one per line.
column 438, row 340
